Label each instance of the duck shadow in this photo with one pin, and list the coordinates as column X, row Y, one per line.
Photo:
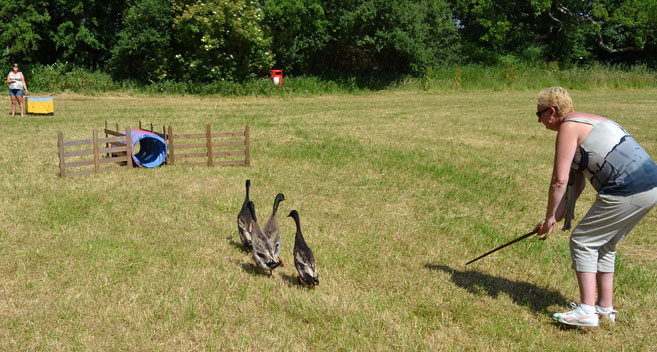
column 238, row 245
column 536, row 298
column 253, row 270
column 294, row 281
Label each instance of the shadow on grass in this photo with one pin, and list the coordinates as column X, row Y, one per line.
column 250, row 268
column 294, row 281
column 522, row 293
column 238, row 245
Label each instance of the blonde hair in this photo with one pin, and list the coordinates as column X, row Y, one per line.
column 557, row 97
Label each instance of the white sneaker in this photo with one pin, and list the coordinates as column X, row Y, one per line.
column 609, row 314
column 577, row 317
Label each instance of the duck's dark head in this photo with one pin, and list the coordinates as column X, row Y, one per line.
column 279, row 198
column 248, row 184
column 251, row 207
column 295, row 215
column 310, row 280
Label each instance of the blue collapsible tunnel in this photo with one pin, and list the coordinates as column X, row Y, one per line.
column 152, row 148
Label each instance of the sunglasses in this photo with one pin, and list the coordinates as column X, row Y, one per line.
column 539, row 113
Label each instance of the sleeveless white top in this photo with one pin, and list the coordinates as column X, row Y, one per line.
column 18, row 77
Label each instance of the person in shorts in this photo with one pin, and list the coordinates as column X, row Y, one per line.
column 17, row 88
column 625, row 178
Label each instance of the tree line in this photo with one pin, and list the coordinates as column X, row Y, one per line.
column 233, row 40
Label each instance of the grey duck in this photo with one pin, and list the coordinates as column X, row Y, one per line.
column 304, row 260
column 267, row 243
column 246, row 220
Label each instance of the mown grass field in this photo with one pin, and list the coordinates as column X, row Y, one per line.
column 395, row 190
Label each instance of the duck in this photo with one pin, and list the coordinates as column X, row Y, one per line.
column 267, row 243
column 245, row 220
column 304, row 260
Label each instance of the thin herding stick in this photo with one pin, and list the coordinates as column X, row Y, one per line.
column 502, row 246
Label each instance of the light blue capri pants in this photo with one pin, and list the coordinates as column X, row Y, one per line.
column 593, row 241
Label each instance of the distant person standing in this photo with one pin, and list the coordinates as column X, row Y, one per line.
column 17, row 88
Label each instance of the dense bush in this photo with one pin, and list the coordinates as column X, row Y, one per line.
column 67, row 77
column 513, row 75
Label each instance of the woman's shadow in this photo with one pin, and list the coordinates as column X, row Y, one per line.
column 536, row 298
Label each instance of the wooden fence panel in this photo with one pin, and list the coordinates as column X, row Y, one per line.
column 62, row 156
column 96, row 155
column 78, row 142
column 118, row 149
column 215, row 149
column 191, row 145
column 247, row 146
column 128, row 144
column 208, row 136
column 78, row 153
column 113, row 140
column 95, row 151
column 191, row 136
column 171, row 149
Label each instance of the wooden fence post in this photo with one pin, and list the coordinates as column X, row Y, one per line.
column 107, row 155
column 164, row 135
column 60, row 144
column 96, row 154
column 172, row 154
column 247, row 160
column 208, row 143
column 128, row 146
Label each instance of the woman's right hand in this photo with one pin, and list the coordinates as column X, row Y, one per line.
column 545, row 227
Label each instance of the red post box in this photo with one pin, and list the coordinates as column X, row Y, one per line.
column 277, row 77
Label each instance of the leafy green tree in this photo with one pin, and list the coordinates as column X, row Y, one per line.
column 609, row 29
column 82, row 31
column 491, row 29
column 396, row 36
column 569, row 31
column 143, row 51
column 299, row 32
column 22, row 28
column 220, row 40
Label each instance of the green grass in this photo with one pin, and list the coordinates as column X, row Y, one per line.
column 396, row 190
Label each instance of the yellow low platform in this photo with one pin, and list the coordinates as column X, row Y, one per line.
column 40, row 105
